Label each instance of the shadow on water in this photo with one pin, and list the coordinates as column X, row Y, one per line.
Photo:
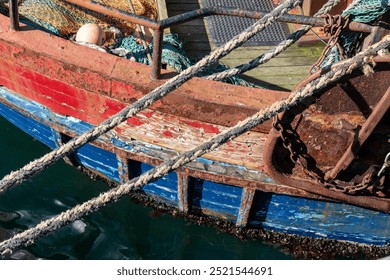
column 124, row 230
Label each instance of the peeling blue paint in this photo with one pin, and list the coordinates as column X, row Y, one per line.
column 269, row 180
column 219, row 198
column 100, row 160
column 320, row 219
column 243, row 168
column 121, row 144
column 165, row 187
column 151, row 146
column 205, row 160
column 73, row 124
column 30, row 126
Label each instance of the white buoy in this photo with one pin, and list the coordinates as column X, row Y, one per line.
column 90, row 33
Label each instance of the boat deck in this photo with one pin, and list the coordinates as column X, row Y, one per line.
column 281, row 73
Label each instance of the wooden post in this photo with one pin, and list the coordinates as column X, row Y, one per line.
column 245, row 207
column 157, row 51
column 14, row 15
column 182, row 192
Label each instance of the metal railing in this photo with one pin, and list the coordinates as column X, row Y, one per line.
column 158, row 26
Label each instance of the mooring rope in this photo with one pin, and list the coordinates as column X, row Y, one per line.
column 281, row 47
column 40, row 164
column 338, row 70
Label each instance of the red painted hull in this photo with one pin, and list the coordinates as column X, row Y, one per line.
column 91, row 86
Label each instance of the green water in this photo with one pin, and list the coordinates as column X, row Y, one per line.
column 124, row 230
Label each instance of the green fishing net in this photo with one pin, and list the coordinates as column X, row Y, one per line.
column 365, row 11
column 173, row 54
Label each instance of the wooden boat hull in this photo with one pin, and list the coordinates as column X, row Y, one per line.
column 278, row 212
column 55, row 90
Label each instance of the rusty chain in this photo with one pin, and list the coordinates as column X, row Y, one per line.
column 298, row 154
column 372, row 182
column 332, row 27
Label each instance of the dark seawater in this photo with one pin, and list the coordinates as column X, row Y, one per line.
column 124, row 230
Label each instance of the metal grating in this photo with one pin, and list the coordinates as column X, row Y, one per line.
column 223, row 28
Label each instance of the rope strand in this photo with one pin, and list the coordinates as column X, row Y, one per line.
column 339, row 70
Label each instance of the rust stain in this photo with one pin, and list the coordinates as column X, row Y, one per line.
column 339, row 121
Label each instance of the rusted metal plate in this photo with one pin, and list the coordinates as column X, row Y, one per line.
column 364, row 133
column 331, row 126
column 341, row 112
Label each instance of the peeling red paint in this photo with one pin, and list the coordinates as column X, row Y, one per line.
column 168, row 133
column 157, row 104
column 148, row 114
column 91, row 81
column 127, row 81
column 118, row 129
column 135, row 121
column 124, row 91
column 208, row 128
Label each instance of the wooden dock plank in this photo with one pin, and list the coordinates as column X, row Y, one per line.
column 279, row 61
column 283, row 72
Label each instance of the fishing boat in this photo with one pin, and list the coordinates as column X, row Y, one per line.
column 318, row 169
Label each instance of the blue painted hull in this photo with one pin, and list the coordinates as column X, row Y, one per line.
column 282, row 213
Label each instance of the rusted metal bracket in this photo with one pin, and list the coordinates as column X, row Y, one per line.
column 366, row 130
column 14, row 15
column 157, row 53
column 204, row 12
column 141, row 32
column 375, row 36
column 335, row 103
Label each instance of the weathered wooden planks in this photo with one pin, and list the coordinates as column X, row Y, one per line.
column 194, row 33
column 283, row 72
column 281, row 213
